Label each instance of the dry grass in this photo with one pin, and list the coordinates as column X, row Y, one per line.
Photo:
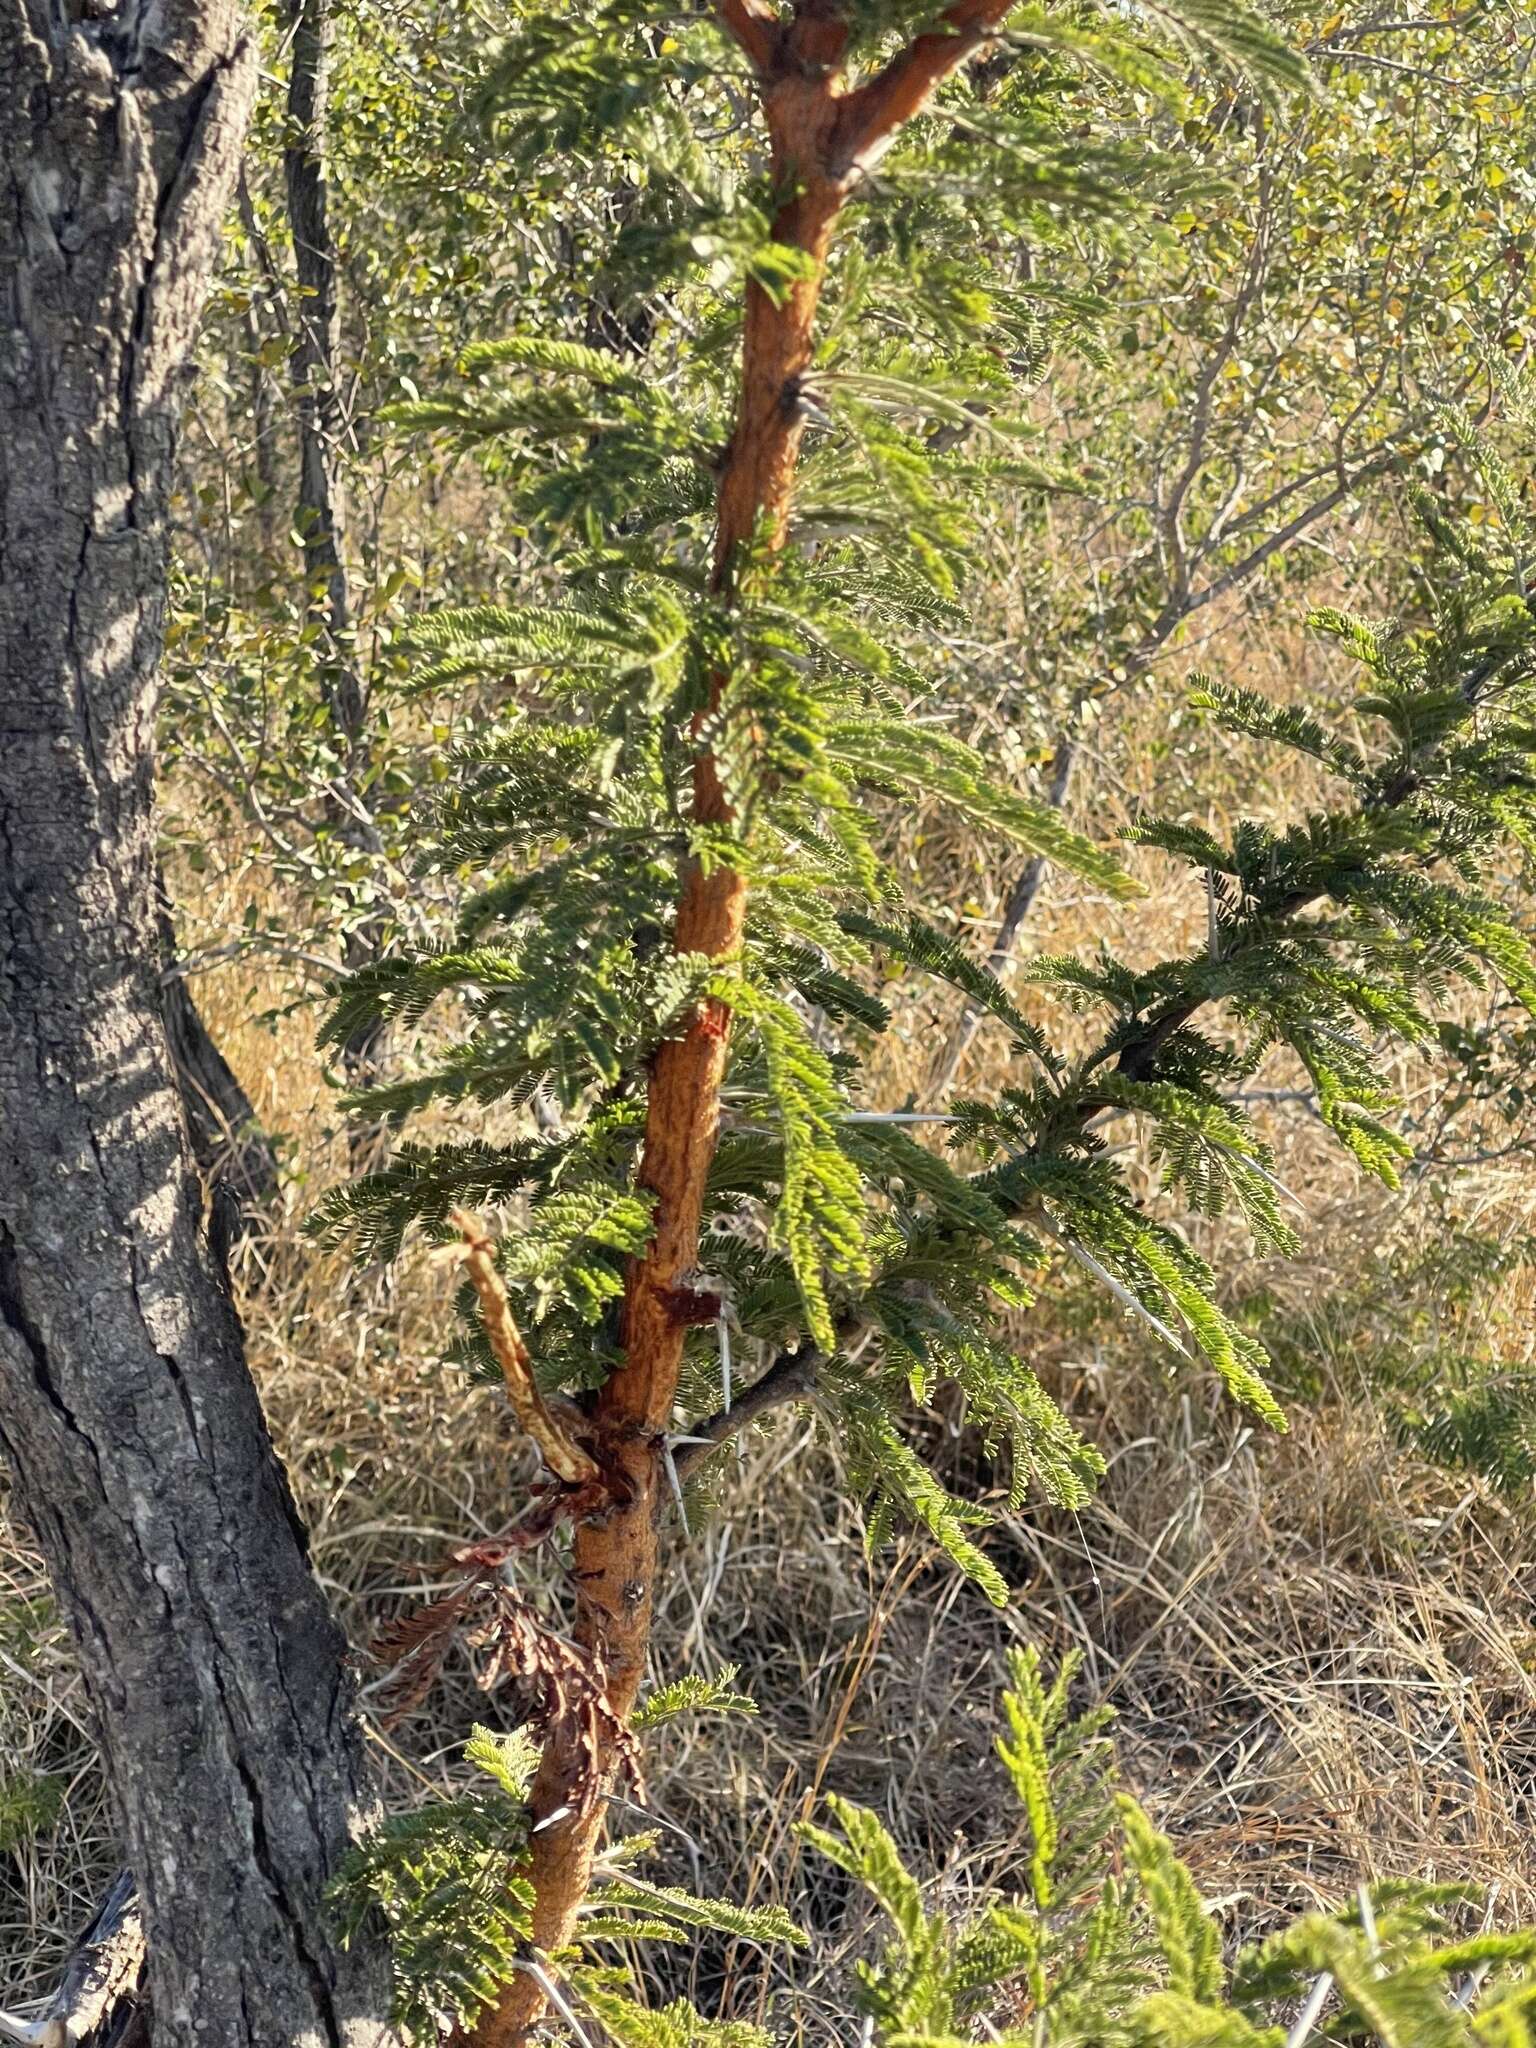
column 1319, row 1650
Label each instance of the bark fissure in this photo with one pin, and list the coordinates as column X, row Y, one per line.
column 140, row 1455
column 322, row 1993
column 14, row 1313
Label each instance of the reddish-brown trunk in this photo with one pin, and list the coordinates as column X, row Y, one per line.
column 615, row 1553
column 822, row 141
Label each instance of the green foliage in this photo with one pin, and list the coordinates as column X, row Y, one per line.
column 1187, row 1939
column 446, row 1880
column 693, row 1694
column 632, row 2025
column 1428, row 1323
column 680, row 1909
column 563, row 824
column 531, row 869
column 562, row 832
column 1226, row 432
column 883, row 1464
column 1084, row 1959
column 1480, row 1417
column 442, row 1878
column 30, row 1803
column 1327, row 941
column 819, row 1218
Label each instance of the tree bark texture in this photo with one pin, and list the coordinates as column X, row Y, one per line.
column 127, row 1414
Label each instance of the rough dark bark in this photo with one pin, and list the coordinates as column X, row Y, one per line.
column 127, row 1414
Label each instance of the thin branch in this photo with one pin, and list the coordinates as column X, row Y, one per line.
column 1239, row 572
column 1138, row 1056
column 754, row 28
column 1021, row 900
column 1393, row 64
column 1182, row 604
column 791, row 1377
column 1327, row 46
column 1251, row 289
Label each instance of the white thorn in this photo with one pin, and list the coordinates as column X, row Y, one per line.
column 676, row 1485
column 723, row 1333
column 551, row 1991
column 1306, row 2019
column 1246, row 1159
column 1368, row 1920
column 897, row 1116
column 1122, row 1294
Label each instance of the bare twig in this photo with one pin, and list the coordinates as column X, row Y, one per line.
column 791, row 1377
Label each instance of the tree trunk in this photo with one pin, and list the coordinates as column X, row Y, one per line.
column 126, row 1411
column 824, row 137
column 316, row 362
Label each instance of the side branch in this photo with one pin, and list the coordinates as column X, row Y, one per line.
column 870, row 117
column 791, row 1377
column 477, row 1253
column 754, row 27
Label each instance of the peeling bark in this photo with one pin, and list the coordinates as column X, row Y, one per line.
column 127, row 1414
column 100, row 2000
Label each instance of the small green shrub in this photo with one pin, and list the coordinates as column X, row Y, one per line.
column 1108, row 1943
